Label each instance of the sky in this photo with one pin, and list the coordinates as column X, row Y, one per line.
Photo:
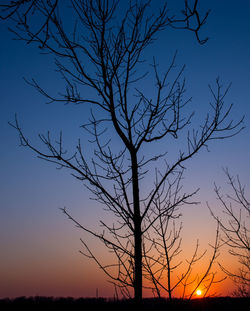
column 39, row 245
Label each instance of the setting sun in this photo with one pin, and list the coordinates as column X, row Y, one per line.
column 198, row 292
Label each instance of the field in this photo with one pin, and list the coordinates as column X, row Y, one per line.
column 50, row 303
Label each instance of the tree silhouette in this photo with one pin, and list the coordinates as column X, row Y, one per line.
column 163, row 246
column 102, row 54
column 235, row 231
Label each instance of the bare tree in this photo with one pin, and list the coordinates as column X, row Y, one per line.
column 163, row 245
column 112, row 46
column 235, row 228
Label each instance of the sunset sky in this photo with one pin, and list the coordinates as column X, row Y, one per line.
column 39, row 245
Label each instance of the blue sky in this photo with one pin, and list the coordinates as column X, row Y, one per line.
column 32, row 229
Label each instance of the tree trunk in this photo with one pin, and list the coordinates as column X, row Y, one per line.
column 137, row 232
column 138, row 262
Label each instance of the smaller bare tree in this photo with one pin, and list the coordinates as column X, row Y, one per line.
column 163, row 245
column 205, row 279
column 235, row 231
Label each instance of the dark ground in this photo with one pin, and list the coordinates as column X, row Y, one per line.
column 92, row 304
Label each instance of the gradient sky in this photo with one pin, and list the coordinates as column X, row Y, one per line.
column 39, row 246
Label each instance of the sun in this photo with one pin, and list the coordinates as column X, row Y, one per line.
column 198, row 292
